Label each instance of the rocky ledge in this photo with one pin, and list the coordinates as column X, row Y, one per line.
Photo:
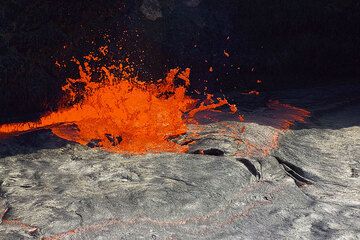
column 308, row 187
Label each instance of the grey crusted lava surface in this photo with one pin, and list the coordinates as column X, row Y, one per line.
column 307, row 188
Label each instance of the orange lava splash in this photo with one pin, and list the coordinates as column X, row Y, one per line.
column 111, row 108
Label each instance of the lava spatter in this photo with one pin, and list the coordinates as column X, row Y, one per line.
column 118, row 112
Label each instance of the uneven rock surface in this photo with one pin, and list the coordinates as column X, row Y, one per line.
column 306, row 188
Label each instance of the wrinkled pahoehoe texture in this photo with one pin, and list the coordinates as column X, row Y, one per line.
column 307, row 188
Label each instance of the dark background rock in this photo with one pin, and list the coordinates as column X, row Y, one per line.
column 284, row 43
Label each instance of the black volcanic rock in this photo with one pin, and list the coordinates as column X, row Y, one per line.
column 284, row 43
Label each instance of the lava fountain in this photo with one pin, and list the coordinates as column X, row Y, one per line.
column 108, row 106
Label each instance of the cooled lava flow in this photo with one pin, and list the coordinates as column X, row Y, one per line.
column 114, row 110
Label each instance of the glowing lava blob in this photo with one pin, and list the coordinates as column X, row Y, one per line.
column 108, row 107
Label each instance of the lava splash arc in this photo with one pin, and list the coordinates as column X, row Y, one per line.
column 112, row 109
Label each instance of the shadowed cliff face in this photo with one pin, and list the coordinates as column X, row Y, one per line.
column 286, row 44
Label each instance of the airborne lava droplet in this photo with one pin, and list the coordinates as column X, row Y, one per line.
column 252, row 92
column 118, row 112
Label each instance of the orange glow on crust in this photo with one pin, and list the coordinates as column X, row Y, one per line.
column 291, row 114
column 114, row 110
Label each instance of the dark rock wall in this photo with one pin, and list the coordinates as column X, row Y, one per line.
column 284, row 43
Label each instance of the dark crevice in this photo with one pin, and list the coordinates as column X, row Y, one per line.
column 5, row 208
column 251, row 167
column 188, row 142
column 81, row 218
column 354, row 173
column 2, row 192
column 295, row 173
column 179, row 180
column 210, row 151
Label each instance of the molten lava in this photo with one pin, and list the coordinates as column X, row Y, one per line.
column 114, row 110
